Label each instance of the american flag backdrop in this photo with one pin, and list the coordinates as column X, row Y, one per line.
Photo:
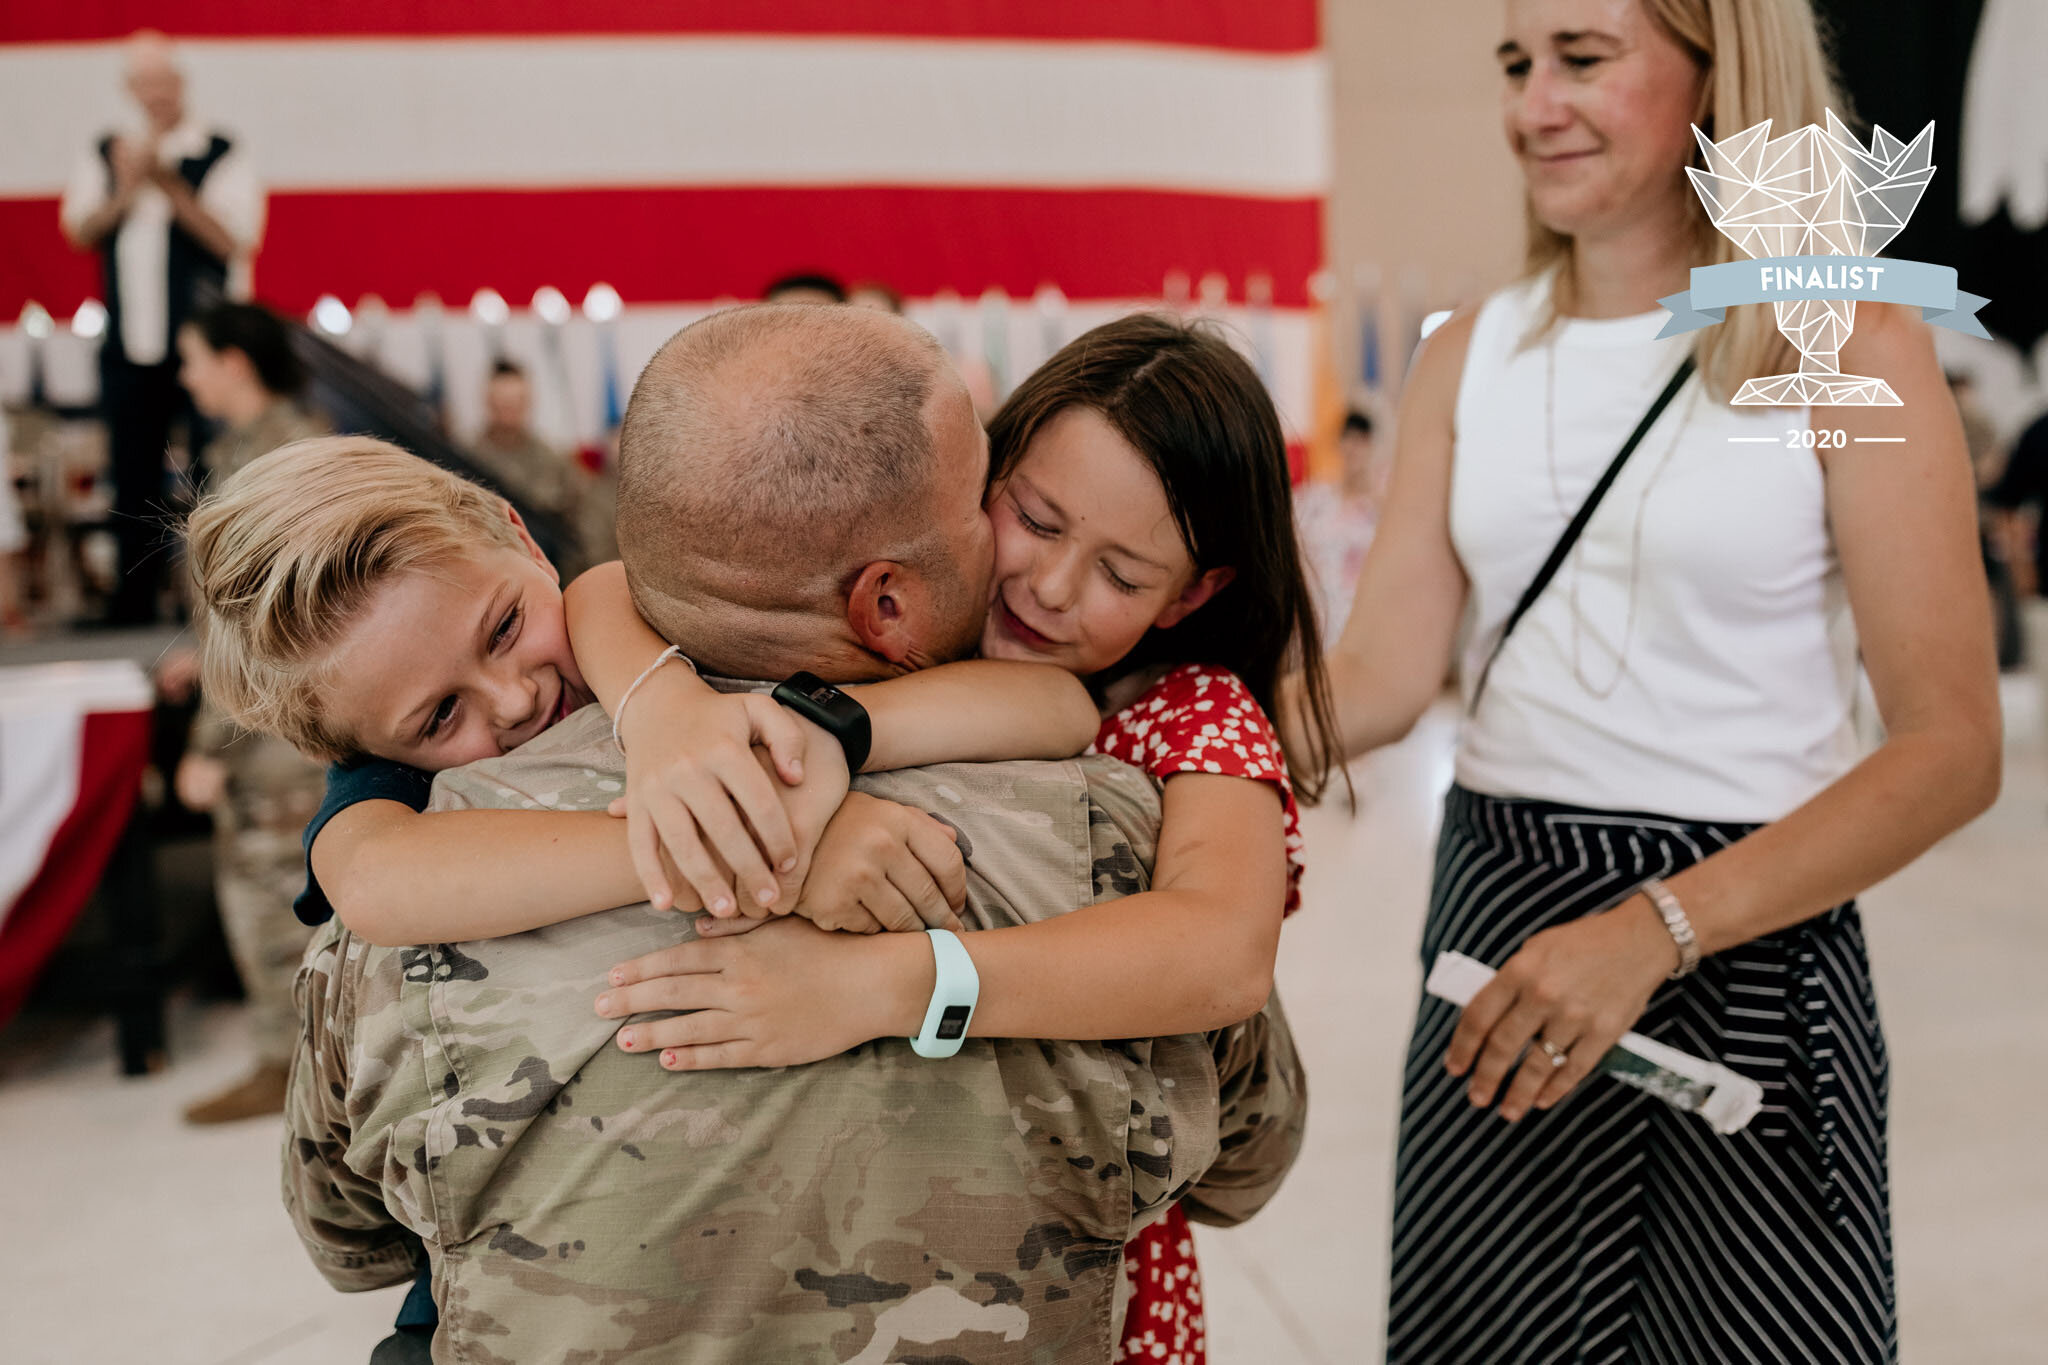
column 1019, row 169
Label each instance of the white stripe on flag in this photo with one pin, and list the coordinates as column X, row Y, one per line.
column 348, row 114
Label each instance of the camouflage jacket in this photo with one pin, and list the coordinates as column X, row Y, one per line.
column 279, row 424
column 581, row 1204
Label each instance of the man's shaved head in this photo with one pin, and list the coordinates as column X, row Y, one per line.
column 769, row 455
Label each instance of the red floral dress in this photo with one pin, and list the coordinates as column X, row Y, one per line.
column 1196, row 719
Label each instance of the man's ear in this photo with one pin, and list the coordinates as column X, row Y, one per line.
column 889, row 610
column 1192, row 596
column 526, row 541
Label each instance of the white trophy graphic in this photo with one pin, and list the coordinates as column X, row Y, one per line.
column 1814, row 192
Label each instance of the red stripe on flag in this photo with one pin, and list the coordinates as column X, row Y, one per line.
column 1266, row 26
column 695, row 244
column 113, row 748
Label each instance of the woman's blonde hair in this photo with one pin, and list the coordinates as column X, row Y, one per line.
column 286, row 553
column 1762, row 59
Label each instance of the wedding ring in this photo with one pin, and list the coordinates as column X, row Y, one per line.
column 1558, row 1056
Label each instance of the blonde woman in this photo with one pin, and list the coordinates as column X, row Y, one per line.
column 1674, row 706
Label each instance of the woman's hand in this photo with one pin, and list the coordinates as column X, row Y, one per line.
column 694, row 787
column 785, row 994
column 881, row 866
column 1578, row 987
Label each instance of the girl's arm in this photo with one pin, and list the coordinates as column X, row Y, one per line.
column 396, row 876
column 691, row 781
column 1194, row 953
column 977, row 711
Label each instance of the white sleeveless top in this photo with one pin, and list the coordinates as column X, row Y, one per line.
column 1731, row 699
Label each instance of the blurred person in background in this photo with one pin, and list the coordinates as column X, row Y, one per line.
column 13, row 540
column 512, row 453
column 1987, row 463
column 2018, row 503
column 173, row 207
column 1336, row 520
column 1661, row 814
column 2017, row 499
column 805, row 287
column 237, row 362
column 238, row 365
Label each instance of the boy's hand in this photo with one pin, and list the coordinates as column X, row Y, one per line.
column 694, row 787
column 883, row 866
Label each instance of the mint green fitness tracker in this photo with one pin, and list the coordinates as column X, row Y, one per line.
column 954, row 992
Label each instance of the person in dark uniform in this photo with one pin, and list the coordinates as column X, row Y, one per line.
column 174, row 210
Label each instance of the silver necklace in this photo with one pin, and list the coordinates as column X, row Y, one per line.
column 1635, row 562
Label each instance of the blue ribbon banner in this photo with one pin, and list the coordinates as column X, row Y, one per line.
column 1777, row 279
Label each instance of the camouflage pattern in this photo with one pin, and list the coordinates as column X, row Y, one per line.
column 259, row 865
column 581, row 1204
column 279, row 424
column 538, row 475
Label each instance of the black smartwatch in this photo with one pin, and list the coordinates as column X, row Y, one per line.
column 824, row 705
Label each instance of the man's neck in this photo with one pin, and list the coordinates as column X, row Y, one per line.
column 769, row 647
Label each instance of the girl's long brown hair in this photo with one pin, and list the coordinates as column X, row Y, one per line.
column 1187, row 402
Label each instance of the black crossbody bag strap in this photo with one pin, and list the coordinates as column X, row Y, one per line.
column 1578, row 522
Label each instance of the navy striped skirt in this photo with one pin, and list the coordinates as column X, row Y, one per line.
column 1614, row 1228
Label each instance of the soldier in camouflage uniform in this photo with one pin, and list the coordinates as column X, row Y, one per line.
column 239, row 367
column 581, row 1204
column 531, row 470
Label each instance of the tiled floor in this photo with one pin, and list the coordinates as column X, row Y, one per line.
column 125, row 1236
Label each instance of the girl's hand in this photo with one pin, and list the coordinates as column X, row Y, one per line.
column 694, row 787
column 1579, row 987
column 785, row 994
column 884, row 866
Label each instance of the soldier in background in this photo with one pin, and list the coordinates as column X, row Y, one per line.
column 532, row 471
column 239, row 367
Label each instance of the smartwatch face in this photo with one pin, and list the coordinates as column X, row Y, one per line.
column 823, row 694
column 953, row 1023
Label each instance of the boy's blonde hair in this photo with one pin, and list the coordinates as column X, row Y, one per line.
column 285, row 554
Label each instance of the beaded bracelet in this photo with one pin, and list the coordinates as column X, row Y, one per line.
column 672, row 652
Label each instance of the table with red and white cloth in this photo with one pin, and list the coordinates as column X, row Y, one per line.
column 74, row 740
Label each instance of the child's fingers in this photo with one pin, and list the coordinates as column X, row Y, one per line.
column 777, row 731
column 935, row 844
column 890, row 907
column 643, row 844
column 617, row 807
column 710, row 807
column 680, row 841
column 913, row 881
column 727, row 928
column 698, row 991
column 678, row 959
column 753, row 792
